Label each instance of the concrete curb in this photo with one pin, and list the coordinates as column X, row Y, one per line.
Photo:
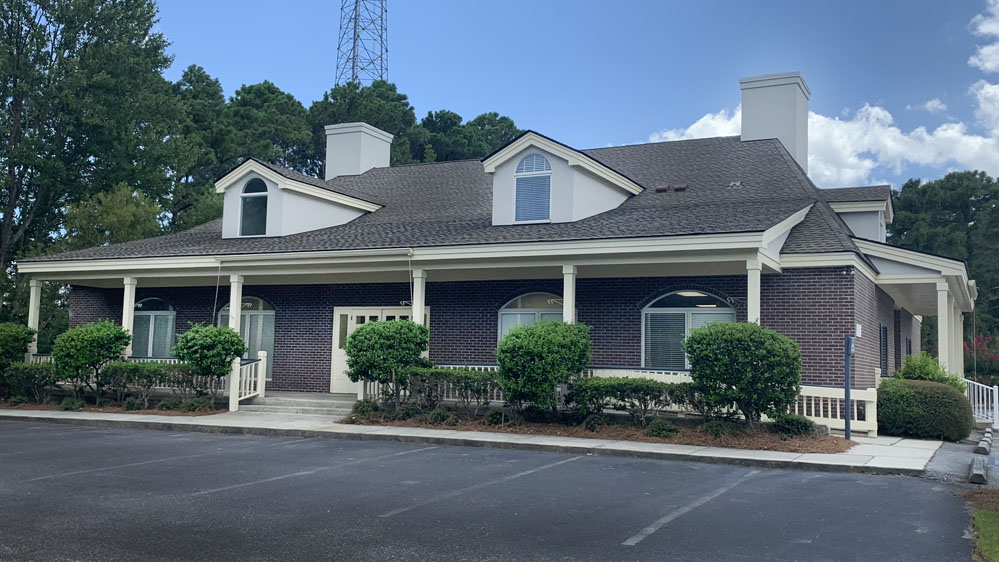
column 470, row 442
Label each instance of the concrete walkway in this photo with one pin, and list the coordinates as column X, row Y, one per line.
column 881, row 455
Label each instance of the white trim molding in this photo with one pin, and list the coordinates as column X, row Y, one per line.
column 252, row 166
column 865, row 206
column 575, row 158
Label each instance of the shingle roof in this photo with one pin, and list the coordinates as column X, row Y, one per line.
column 850, row 194
column 450, row 203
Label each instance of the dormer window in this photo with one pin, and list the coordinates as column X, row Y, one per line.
column 253, row 214
column 534, row 189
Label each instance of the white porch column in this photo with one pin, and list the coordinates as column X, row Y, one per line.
column 958, row 348
column 34, row 304
column 128, row 310
column 419, row 295
column 944, row 320
column 569, row 294
column 235, row 316
column 753, row 268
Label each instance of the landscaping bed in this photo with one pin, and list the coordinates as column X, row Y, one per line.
column 985, row 506
column 689, row 432
column 111, row 410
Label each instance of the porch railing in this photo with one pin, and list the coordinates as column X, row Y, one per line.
column 822, row 404
column 248, row 380
column 984, row 401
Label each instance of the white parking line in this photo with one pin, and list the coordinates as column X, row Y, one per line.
column 477, row 487
column 663, row 521
column 308, row 472
column 118, row 466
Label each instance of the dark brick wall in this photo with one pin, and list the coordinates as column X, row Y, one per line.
column 812, row 306
column 906, row 327
column 874, row 308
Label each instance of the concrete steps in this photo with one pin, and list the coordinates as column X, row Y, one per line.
column 302, row 403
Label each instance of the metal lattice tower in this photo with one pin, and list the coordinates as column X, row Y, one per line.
column 362, row 49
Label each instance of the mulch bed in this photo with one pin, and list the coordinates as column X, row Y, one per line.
column 758, row 439
column 110, row 410
column 982, row 498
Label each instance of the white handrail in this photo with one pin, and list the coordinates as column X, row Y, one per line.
column 984, row 401
column 247, row 380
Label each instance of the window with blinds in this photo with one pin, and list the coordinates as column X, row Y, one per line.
column 664, row 333
column 153, row 329
column 533, row 189
column 669, row 319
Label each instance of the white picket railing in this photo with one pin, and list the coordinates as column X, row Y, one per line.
column 36, row 358
column 248, row 380
column 825, row 405
column 984, row 401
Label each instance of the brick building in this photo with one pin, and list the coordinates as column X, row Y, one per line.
column 641, row 242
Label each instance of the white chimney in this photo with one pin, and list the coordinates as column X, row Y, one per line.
column 776, row 106
column 355, row 148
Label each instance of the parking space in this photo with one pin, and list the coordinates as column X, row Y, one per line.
column 77, row 493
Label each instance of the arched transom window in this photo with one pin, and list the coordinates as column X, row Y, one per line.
column 153, row 328
column 529, row 309
column 534, row 188
column 253, row 212
column 669, row 319
column 256, row 326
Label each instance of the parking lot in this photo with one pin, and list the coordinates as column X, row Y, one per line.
column 78, row 493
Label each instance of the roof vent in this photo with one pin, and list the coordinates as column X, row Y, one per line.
column 735, row 184
column 680, row 187
column 662, row 188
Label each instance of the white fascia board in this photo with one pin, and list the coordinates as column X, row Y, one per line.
column 233, row 177
column 945, row 266
column 785, row 225
column 573, row 157
column 859, row 206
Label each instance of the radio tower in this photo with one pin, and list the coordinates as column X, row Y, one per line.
column 362, row 50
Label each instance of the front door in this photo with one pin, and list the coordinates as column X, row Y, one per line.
column 345, row 321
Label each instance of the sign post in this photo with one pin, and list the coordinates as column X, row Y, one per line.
column 848, row 348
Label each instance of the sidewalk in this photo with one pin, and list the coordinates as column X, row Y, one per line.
column 881, row 455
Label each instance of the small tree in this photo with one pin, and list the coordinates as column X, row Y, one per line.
column 385, row 352
column 534, row 360
column 14, row 342
column 210, row 351
column 82, row 352
column 744, row 364
column 924, row 367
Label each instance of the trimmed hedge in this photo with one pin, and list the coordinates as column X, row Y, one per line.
column 14, row 342
column 20, row 379
column 925, row 367
column 643, row 398
column 386, row 352
column 926, row 409
column 534, row 360
column 757, row 369
column 470, row 387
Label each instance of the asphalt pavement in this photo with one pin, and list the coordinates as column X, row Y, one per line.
column 82, row 493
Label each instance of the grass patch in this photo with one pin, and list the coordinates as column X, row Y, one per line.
column 987, row 533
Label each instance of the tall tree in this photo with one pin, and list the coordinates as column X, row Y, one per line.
column 270, row 125
column 110, row 217
column 81, row 109
column 955, row 217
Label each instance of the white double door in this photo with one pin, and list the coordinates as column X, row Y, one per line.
column 345, row 321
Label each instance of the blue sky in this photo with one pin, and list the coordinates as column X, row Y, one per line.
column 899, row 89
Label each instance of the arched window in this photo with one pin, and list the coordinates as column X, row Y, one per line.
column 153, row 328
column 534, row 188
column 256, row 326
column 669, row 319
column 529, row 309
column 253, row 215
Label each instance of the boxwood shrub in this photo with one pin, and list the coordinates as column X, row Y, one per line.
column 925, row 409
column 31, row 381
column 643, row 398
column 534, row 360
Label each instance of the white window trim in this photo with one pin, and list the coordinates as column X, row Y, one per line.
column 242, row 198
column 517, row 176
column 243, row 314
column 537, row 311
column 686, row 328
column 152, row 324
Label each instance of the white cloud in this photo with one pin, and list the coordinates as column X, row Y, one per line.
column 987, row 98
column 847, row 151
column 933, row 106
column 986, row 58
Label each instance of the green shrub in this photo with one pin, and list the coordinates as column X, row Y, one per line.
column 364, row 408
column 386, row 352
column 663, row 429
column 132, row 403
column 718, row 428
column 17, row 400
column 14, row 342
column 741, row 363
column 590, row 395
column 924, row 409
column 29, row 380
column 469, row 387
column 169, row 404
column 71, row 403
column 442, row 416
column 410, row 412
column 924, row 367
column 82, row 352
column 209, row 351
column 593, row 422
column 643, row 398
column 495, row 417
column 534, row 360
column 197, row 403
column 794, row 425
column 687, row 395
